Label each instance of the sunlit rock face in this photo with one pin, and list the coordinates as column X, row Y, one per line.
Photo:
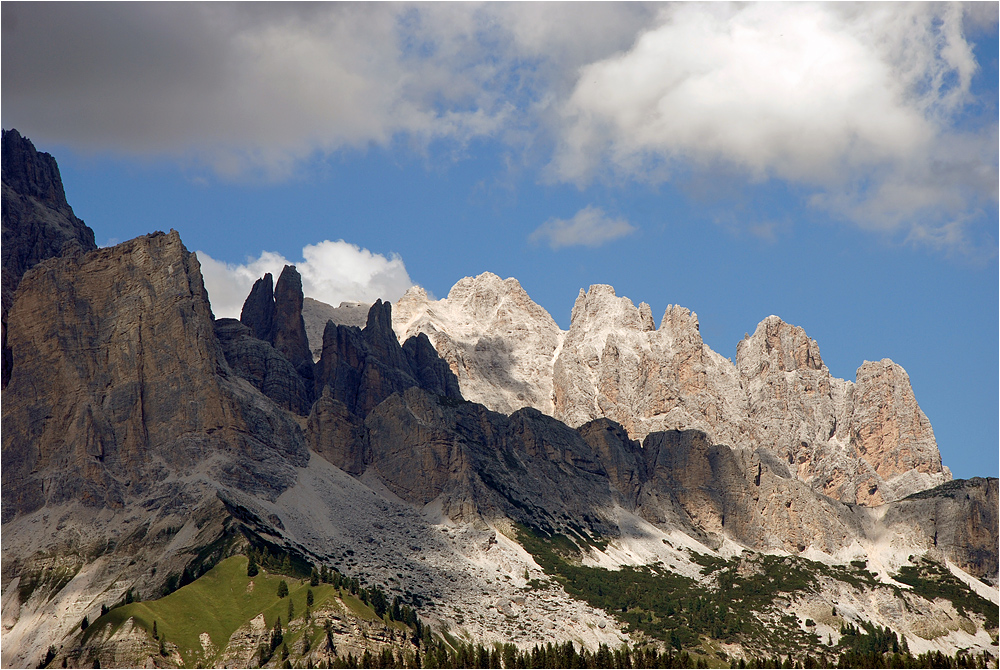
column 862, row 442
column 496, row 340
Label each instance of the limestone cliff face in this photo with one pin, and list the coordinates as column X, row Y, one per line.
column 614, row 363
column 888, row 428
column 38, row 223
column 956, row 521
column 485, row 465
column 867, row 442
column 496, row 340
column 118, row 382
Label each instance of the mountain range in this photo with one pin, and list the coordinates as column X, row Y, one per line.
column 501, row 482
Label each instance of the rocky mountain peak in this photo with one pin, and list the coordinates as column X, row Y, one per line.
column 290, row 338
column 599, row 306
column 857, row 444
column 38, row 223
column 682, row 325
column 497, row 341
column 258, row 309
column 31, row 173
column 779, row 346
column 888, row 428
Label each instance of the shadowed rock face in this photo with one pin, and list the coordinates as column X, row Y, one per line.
column 118, row 381
column 258, row 363
column 429, row 369
column 316, row 314
column 258, row 309
column 337, row 434
column 364, row 367
column 482, row 464
column 289, row 329
column 38, row 223
column 702, row 481
column 621, row 456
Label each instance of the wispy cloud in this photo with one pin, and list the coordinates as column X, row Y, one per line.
column 590, row 227
column 332, row 272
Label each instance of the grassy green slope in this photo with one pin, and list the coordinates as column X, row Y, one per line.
column 219, row 603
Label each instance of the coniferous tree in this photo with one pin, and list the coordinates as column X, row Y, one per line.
column 252, row 569
column 282, row 588
column 276, row 635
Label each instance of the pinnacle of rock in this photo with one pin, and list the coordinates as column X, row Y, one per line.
column 289, row 329
column 258, row 309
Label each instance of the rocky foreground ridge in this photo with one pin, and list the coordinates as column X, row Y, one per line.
column 145, row 442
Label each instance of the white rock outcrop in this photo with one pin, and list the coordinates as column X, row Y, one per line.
column 863, row 442
column 498, row 341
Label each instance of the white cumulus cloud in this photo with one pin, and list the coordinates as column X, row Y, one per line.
column 590, row 227
column 332, row 272
column 856, row 103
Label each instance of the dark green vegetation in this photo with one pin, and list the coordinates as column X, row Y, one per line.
column 748, row 605
column 933, row 580
column 676, row 610
column 874, row 647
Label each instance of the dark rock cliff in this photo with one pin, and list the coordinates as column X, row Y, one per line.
column 38, row 223
column 363, row 367
column 118, row 382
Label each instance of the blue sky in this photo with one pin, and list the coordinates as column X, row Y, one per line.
column 834, row 165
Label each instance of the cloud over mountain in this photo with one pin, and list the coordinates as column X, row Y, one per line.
column 332, row 272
